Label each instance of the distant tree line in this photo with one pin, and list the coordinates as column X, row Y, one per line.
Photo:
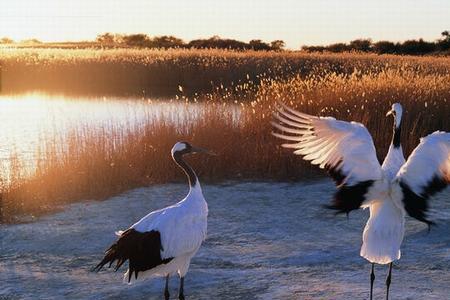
column 412, row 47
column 7, row 40
column 145, row 41
column 141, row 40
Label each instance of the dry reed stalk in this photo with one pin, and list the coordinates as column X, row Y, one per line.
column 96, row 164
column 153, row 72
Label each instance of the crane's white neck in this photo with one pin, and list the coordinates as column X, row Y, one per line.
column 195, row 189
column 397, row 112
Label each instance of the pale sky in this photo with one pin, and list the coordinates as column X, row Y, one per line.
column 298, row 22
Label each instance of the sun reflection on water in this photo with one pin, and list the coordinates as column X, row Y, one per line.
column 28, row 120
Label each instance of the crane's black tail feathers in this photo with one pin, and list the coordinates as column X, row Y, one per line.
column 142, row 249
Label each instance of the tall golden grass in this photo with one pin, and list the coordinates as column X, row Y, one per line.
column 95, row 164
column 154, row 72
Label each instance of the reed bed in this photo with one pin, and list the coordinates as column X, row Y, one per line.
column 153, row 72
column 96, row 164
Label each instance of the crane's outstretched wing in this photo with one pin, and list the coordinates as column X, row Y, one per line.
column 344, row 149
column 426, row 172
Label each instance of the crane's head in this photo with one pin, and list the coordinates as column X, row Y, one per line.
column 397, row 112
column 186, row 148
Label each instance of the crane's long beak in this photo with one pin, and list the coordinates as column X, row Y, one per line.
column 391, row 112
column 202, row 150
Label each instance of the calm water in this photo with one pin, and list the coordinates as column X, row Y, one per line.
column 27, row 120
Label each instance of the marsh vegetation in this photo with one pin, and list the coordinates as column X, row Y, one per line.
column 236, row 92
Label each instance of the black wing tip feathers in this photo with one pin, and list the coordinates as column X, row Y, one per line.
column 334, row 171
column 141, row 249
column 110, row 257
column 350, row 197
column 96, row 269
column 416, row 205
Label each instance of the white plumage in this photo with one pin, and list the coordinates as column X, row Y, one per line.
column 183, row 229
column 383, row 233
column 163, row 242
column 428, row 161
column 347, row 152
column 330, row 144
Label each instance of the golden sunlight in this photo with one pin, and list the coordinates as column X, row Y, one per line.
column 295, row 22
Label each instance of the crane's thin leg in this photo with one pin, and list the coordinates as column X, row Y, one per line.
column 372, row 279
column 181, row 292
column 166, row 290
column 388, row 281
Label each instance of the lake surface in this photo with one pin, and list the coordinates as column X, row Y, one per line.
column 265, row 241
column 28, row 120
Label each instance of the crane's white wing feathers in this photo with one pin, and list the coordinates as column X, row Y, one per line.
column 182, row 232
column 426, row 172
column 344, row 149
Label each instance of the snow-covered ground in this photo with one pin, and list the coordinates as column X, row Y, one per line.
column 265, row 241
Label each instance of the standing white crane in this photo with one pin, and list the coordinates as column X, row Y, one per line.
column 347, row 152
column 163, row 242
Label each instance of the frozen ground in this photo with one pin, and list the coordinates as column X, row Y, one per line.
column 266, row 241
